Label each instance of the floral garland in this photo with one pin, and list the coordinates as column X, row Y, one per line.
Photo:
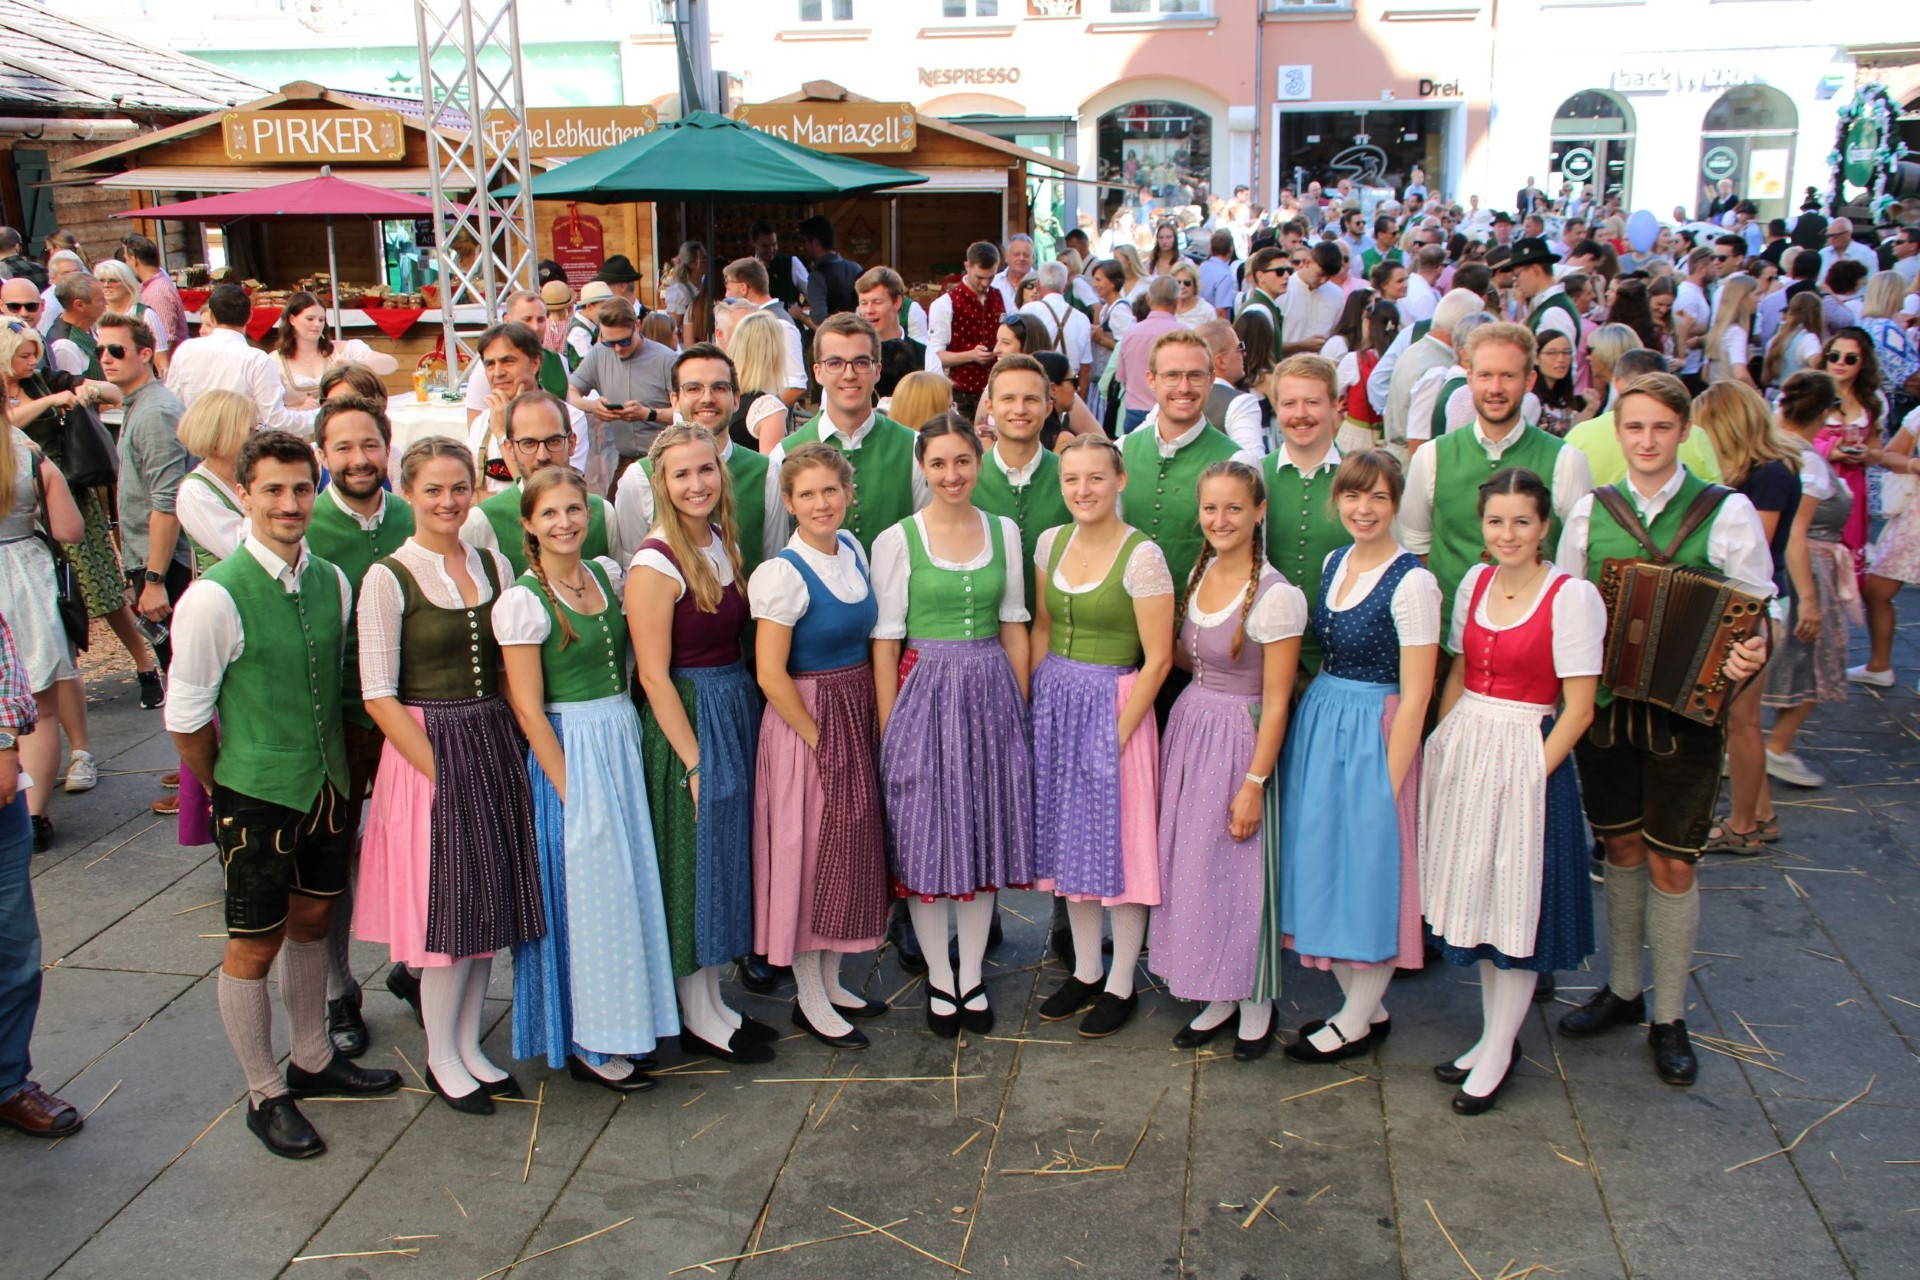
column 1874, row 104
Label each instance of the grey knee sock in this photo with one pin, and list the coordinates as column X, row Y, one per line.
column 1626, row 897
column 1673, row 925
column 303, row 989
column 341, row 984
column 248, row 1016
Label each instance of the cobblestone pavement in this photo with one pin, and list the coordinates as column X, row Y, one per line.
column 1588, row 1168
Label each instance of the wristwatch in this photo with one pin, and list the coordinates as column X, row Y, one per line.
column 158, row 579
column 7, row 741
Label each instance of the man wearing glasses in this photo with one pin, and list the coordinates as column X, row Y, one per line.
column 887, row 486
column 1268, row 271
column 1841, row 244
column 1312, row 303
column 510, row 358
column 538, row 433
column 22, row 302
column 1229, row 409
column 628, row 373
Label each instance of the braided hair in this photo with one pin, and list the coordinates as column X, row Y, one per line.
column 536, row 487
column 1232, row 469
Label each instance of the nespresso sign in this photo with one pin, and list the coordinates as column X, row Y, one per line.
column 937, row 77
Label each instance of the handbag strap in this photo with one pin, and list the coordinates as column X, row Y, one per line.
column 1614, row 498
column 36, row 458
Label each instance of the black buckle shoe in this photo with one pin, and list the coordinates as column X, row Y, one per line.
column 1543, row 988
column 1110, row 1013
column 759, row 977
column 342, row 1078
column 476, row 1103
column 854, row 1039
column 1673, row 1058
column 636, row 1081
column 1303, row 1050
column 345, row 1027
column 281, row 1128
column 1070, row 997
column 405, row 985
column 1602, row 1012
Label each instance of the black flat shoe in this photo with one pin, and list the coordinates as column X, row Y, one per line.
column 865, row 1009
column 759, row 977
column 1110, row 1013
column 1604, row 1011
column 1069, row 998
column 1448, row 1073
column 1468, row 1104
column 977, row 1021
column 755, row 1030
column 43, row 841
column 1302, row 1050
column 746, row 1051
column 503, row 1088
column 995, row 935
column 345, row 1027
column 1673, row 1058
column 476, row 1103
column 944, row 1025
column 1189, row 1037
column 405, row 985
column 1379, row 1031
column 1543, row 988
column 1255, row 1049
column 341, row 1078
column 906, row 943
column 637, row 1081
column 855, row 1039
column 281, row 1128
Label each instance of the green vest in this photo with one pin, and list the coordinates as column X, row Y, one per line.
column 553, row 374
column 1420, row 328
column 594, row 664
column 1564, row 303
column 1607, row 540
column 1373, row 258
column 570, row 358
column 1459, row 469
column 337, row 537
column 1302, row 530
column 954, row 604
column 204, row 559
column 80, row 338
column 276, row 743
column 502, row 511
column 1437, row 421
column 1096, row 626
column 1264, row 299
column 446, row 654
column 882, row 475
column 1162, row 497
column 1035, row 506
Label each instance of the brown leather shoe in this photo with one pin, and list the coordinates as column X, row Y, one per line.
column 167, row 804
column 36, row 1112
column 171, row 781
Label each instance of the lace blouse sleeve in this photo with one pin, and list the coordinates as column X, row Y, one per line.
column 381, row 604
column 1147, row 573
column 1416, row 609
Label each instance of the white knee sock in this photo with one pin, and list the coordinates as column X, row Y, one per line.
column 1085, row 919
column 974, row 922
column 441, row 989
column 1364, row 989
column 1256, row 1018
column 809, row 978
column 697, row 1009
column 1471, row 1056
column 1214, row 1014
column 1129, row 936
column 1512, row 998
column 718, row 1003
column 473, row 1006
column 1673, row 926
column 1625, row 893
column 930, row 927
column 247, row 1013
column 303, row 989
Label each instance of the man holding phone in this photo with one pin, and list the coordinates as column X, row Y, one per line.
column 631, row 377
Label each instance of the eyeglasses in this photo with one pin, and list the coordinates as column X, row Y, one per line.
column 702, row 388
column 115, row 350
column 835, row 366
column 550, row 444
column 1847, row 358
column 1194, row 377
column 23, row 308
column 618, row 344
column 1723, row 257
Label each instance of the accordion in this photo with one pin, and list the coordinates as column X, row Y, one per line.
column 1669, row 631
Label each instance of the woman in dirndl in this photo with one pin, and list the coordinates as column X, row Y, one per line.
column 1240, row 637
column 819, row 833
column 956, row 747
column 700, row 717
column 448, row 874
column 1102, row 645
column 596, row 991
column 1350, row 803
column 1503, row 843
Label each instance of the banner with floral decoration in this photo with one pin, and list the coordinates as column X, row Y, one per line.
column 1866, row 150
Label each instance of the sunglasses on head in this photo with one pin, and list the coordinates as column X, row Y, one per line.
column 1839, row 357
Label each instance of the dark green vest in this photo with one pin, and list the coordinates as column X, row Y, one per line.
column 1272, row 307
column 279, row 703
column 1420, row 328
column 502, row 511
column 594, row 664
column 553, row 374
column 1302, row 530
column 1607, row 540
column 80, row 338
column 1563, row 303
column 1035, row 507
column 747, row 471
column 1437, row 421
column 1460, row 467
column 446, row 654
column 336, row 536
column 882, row 475
column 1162, row 495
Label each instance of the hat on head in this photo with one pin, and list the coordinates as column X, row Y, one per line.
column 618, row 270
column 1531, row 251
column 1497, row 257
column 594, row 291
column 1500, row 216
column 550, row 271
column 555, row 293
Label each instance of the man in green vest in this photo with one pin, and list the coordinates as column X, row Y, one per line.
column 1650, row 778
column 70, row 342
column 259, row 641
column 887, row 486
column 1267, row 273
column 355, row 523
column 705, row 394
column 1546, row 301
column 1302, row 529
column 1019, row 479
column 1384, row 247
column 539, row 434
column 1440, row 514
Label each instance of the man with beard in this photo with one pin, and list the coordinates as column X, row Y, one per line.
column 1302, row 527
column 510, row 356
column 355, row 523
column 539, row 434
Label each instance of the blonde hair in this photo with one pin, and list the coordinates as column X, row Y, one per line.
column 120, row 273
column 1131, row 267
column 1095, row 440
column 1803, row 315
column 1500, row 333
column 759, row 354
column 15, row 334
column 1736, row 302
column 1308, row 367
column 702, row 585
column 920, row 397
column 1232, row 469
column 1605, row 346
column 1742, row 429
column 1886, row 293
column 216, row 424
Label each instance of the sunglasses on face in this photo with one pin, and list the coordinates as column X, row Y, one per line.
column 1723, row 257
column 618, row 344
column 23, row 308
column 115, row 350
column 1846, row 358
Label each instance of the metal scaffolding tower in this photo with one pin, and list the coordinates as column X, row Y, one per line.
column 476, row 144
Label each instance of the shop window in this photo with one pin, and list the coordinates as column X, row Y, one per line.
column 1374, row 151
column 1746, row 140
column 1157, row 155
column 826, row 10
column 1166, row 8
column 1592, row 146
column 961, row 9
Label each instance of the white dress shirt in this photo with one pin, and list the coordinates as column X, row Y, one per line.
column 1017, row 477
column 1243, row 420
column 893, row 566
column 1309, row 313
column 848, row 444
column 487, row 447
column 633, row 508
column 208, row 636
column 1420, row 301
column 1074, row 330
column 478, row 531
column 1736, row 541
column 207, row 520
column 1571, row 483
column 225, row 361
column 1691, row 301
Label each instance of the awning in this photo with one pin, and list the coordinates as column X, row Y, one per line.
column 201, row 178
column 938, row 180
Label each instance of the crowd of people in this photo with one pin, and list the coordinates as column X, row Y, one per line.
column 1244, row 598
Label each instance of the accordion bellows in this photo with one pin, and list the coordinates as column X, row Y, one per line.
column 1669, row 631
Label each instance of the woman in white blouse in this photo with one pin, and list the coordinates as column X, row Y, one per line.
column 1727, row 358
column 208, row 503
column 302, row 351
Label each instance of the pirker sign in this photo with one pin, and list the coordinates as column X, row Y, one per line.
column 576, row 131
column 313, row 137
column 851, row 127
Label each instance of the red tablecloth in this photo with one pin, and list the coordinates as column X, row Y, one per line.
column 194, row 299
column 394, row 321
column 262, row 321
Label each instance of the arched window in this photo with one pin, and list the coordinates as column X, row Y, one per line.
column 1159, row 155
column 1592, row 145
column 1746, row 150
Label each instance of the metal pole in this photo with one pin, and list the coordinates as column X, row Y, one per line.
column 333, row 281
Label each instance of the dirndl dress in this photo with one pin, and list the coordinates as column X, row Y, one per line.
column 1216, row 891
column 599, row 982
column 1816, row 671
column 1350, row 883
column 1504, row 845
column 27, row 588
